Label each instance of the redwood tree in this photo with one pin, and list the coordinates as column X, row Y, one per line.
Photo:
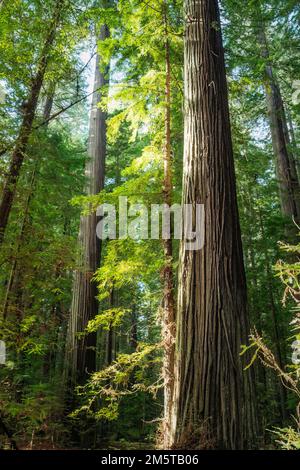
column 285, row 164
column 81, row 355
column 213, row 404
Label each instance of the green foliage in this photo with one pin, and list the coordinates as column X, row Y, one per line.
column 130, row 374
column 37, row 262
column 109, row 318
column 288, row 437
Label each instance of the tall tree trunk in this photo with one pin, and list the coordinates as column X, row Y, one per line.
column 168, row 330
column 46, row 115
column 286, row 171
column 214, row 403
column 81, row 353
column 29, row 111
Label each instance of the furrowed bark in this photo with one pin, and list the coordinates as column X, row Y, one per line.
column 214, row 403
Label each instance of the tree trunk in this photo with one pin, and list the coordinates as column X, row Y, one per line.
column 286, row 171
column 276, row 329
column 293, row 141
column 168, row 330
column 46, row 115
column 214, row 403
column 110, row 335
column 133, row 334
column 14, row 266
column 81, row 353
column 48, row 105
column 29, row 111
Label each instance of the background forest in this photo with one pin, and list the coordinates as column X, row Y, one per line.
column 92, row 108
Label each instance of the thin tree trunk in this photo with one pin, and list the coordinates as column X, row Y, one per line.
column 13, row 270
column 29, row 111
column 256, row 318
column 81, row 353
column 286, row 172
column 293, row 141
column 133, row 336
column 168, row 330
column 109, row 352
column 49, row 104
column 276, row 329
column 214, row 402
column 291, row 130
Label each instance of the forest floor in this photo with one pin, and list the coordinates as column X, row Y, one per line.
column 105, row 445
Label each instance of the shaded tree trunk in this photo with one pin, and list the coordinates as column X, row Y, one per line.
column 276, row 329
column 292, row 131
column 293, row 141
column 20, row 241
column 133, row 335
column 286, row 170
column 81, row 353
column 29, row 111
column 214, row 402
column 110, row 335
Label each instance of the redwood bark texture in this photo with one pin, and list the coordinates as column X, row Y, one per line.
column 81, row 353
column 29, row 111
column 214, row 403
